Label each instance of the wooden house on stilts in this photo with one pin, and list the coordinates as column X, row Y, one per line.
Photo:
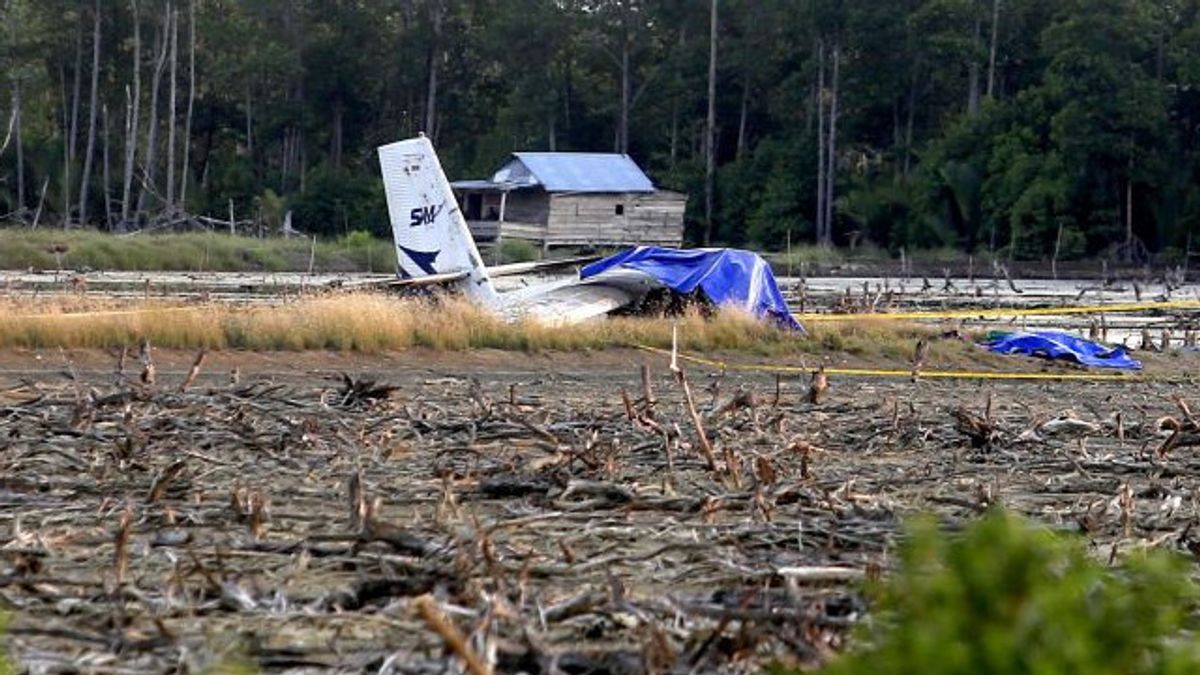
column 571, row 199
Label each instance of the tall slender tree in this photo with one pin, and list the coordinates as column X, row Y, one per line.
column 191, row 106
column 133, row 108
column 822, row 146
column 710, row 128
column 20, row 151
column 85, row 177
column 992, row 48
column 161, row 40
column 831, row 154
column 172, row 114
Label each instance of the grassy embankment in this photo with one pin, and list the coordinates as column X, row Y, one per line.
column 209, row 252
column 367, row 322
column 359, row 252
column 356, row 252
column 191, row 252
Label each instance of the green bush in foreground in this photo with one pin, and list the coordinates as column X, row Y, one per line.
column 5, row 666
column 1008, row 597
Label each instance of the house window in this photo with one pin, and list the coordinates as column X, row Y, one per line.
column 619, row 209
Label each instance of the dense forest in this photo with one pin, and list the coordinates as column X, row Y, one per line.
column 1025, row 128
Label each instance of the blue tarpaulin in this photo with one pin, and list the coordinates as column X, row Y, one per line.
column 726, row 276
column 1052, row 344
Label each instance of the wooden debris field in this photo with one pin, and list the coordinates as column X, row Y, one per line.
column 540, row 519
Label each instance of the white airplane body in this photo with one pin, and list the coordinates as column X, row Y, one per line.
column 434, row 245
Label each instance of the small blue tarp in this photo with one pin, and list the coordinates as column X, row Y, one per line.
column 726, row 276
column 1052, row 344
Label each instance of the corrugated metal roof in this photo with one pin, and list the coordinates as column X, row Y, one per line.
column 575, row 172
column 484, row 185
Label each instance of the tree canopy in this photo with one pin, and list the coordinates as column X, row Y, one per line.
column 1019, row 127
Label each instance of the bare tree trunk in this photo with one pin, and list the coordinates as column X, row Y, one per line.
column 73, row 131
column 910, row 122
column 973, row 72
column 132, row 123
column 551, row 129
column 335, row 142
column 77, row 85
column 108, row 210
column 566, row 101
column 249, row 125
column 160, row 62
column 92, row 112
column 742, row 119
column 302, row 153
column 1057, row 246
column 16, row 96
column 66, row 185
column 187, row 125
column 1129, row 211
column 679, row 86
column 674, row 131
column 831, row 164
column 821, row 145
column 171, row 110
column 286, row 162
column 622, row 140
column 991, row 80
column 437, row 11
column 710, row 127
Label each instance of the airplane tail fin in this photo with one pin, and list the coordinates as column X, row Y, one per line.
column 430, row 233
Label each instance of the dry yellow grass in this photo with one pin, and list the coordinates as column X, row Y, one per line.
column 367, row 322
column 353, row 322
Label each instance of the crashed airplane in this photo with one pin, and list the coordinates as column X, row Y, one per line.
column 434, row 246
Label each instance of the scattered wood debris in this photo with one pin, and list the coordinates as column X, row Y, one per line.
column 502, row 523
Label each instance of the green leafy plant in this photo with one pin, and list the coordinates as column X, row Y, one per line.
column 518, row 250
column 5, row 667
column 1009, row 597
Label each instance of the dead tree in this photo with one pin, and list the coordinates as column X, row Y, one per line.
column 73, row 129
column 152, row 130
column 16, row 97
column 831, row 154
column 191, row 106
column 622, row 145
column 973, row 67
column 92, row 112
column 991, row 80
column 133, row 106
column 171, row 111
column 710, row 127
column 437, row 11
column 821, row 148
column 108, row 210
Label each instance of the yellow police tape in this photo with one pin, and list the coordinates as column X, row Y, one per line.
column 923, row 374
column 1002, row 312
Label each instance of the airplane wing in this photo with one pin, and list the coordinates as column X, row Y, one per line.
column 391, row 281
column 567, row 304
column 512, row 269
column 574, row 301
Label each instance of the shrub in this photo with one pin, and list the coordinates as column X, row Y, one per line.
column 5, row 666
column 518, row 250
column 1008, row 597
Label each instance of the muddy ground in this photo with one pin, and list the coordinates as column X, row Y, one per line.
column 518, row 513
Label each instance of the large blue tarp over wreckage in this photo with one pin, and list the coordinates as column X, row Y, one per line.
column 726, row 276
column 1052, row 344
